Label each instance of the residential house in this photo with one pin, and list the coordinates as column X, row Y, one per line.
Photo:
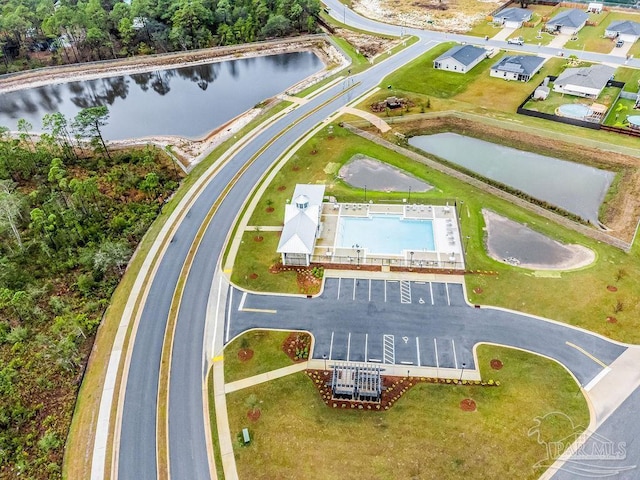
column 460, row 59
column 624, row 30
column 584, row 81
column 301, row 225
column 512, row 17
column 519, row 67
column 567, row 22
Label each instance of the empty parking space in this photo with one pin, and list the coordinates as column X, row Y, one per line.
column 422, row 293
column 427, row 351
column 456, row 295
column 440, row 297
column 406, row 350
column 445, row 353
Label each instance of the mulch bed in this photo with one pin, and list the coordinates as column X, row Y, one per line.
column 478, row 290
column 612, row 288
column 307, row 282
column 297, row 342
column 392, row 390
column 245, row 354
column 253, row 276
column 282, row 188
column 496, row 364
column 295, row 168
column 258, row 238
column 269, row 209
column 612, row 320
column 254, row 415
column 468, row 405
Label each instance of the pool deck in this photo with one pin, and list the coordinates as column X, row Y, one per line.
column 447, row 238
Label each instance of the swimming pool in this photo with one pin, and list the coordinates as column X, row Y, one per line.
column 574, row 110
column 634, row 121
column 386, row 234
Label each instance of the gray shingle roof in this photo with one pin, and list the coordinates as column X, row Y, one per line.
column 569, row 18
column 523, row 64
column 626, row 27
column 514, row 14
column 595, row 76
column 465, row 54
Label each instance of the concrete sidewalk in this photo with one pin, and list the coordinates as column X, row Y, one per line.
column 414, row 276
column 608, row 390
column 376, row 121
column 265, row 377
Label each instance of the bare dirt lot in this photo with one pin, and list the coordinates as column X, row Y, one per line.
column 443, row 15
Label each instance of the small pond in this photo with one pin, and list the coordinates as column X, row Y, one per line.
column 188, row 101
column 362, row 171
column 576, row 188
column 511, row 242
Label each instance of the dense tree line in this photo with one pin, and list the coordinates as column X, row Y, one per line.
column 69, row 222
column 68, row 31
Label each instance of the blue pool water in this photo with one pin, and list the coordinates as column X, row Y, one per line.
column 634, row 120
column 574, row 110
column 386, row 234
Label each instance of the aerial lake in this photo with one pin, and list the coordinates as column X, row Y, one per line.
column 576, row 188
column 188, row 101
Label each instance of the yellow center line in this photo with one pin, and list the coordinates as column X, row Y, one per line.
column 583, row 351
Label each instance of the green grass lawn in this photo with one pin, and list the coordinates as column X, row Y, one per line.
column 530, row 35
column 420, row 77
column 635, row 50
column 554, row 100
column 620, row 111
column 267, row 354
column 256, row 258
column 631, row 77
column 484, row 28
column 424, row 435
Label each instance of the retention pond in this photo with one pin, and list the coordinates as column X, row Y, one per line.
column 578, row 189
column 188, row 101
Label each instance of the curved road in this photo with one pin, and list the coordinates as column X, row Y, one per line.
column 136, row 451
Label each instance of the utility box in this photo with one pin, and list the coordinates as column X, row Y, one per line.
column 246, row 439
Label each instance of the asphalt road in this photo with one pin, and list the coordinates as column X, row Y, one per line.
column 431, row 325
column 137, row 457
column 612, row 451
column 136, row 452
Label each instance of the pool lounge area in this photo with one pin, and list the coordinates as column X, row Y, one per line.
column 405, row 235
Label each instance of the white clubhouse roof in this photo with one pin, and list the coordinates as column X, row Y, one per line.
column 301, row 219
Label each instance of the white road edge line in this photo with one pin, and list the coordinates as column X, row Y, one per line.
column 215, row 324
column 418, row 350
column 431, row 292
column 385, row 291
column 369, row 289
column 455, row 357
column 348, row 346
column 435, row 344
column 446, row 287
column 229, row 315
column 339, row 282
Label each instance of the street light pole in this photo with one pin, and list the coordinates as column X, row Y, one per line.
column 462, row 372
column 358, row 252
column 411, row 261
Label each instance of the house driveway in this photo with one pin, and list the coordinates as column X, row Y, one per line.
column 622, row 51
column 559, row 40
column 503, row 34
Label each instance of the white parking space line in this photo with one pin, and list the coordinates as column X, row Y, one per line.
column 226, row 337
column 435, row 345
column 369, row 289
column 418, row 350
column 455, row 357
column 431, row 292
column 385, row 291
column 349, row 347
column 446, row 287
column 366, row 345
column 244, row 297
column 331, row 346
column 354, row 288
column 339, row 282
